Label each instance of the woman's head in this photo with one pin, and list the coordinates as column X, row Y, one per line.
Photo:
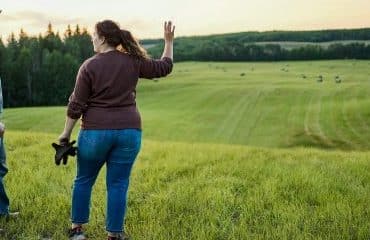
column 108, row 33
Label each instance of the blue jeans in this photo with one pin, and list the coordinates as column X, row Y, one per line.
column 4, row 200
column 118, row 150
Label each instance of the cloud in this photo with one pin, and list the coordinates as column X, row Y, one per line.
column 7, row 18
column 35, row 22
column 33, row 18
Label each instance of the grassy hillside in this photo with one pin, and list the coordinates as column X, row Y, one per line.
column 195, row 178
column 199, row 191
column 291, row 45
column 279, row 104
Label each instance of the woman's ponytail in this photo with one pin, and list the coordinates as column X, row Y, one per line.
column 131, row 46
column 115, row 37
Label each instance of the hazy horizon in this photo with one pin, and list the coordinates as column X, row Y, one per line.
column 192, row 18
column 73, row 26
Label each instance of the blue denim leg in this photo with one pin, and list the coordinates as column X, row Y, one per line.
column 93, row 149
column 4, row 200
column 119, row 164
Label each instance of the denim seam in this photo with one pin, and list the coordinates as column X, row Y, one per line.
column 79, row 222
column 114, row 231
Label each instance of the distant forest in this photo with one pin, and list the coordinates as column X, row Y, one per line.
column 41, row 70
column 247, row 46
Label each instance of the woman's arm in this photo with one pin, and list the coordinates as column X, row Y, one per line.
column 151, row 68
column 68, row 127
column 77, row 103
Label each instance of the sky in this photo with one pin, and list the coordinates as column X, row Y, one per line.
column 145, row 18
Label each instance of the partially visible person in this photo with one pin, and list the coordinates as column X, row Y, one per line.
column 4, row 200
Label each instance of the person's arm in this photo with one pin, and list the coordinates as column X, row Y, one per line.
column 68, row 128
column 2, row 129
column 77, row 103
column 2, row 125
column 153, row 68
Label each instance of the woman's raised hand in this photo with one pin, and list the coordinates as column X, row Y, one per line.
column 169, row 31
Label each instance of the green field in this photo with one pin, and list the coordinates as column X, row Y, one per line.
column 272, row 105
column 230, row 151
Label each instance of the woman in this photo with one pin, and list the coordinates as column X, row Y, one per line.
column 104, row 95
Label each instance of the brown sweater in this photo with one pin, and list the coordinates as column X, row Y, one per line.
column 105, row 89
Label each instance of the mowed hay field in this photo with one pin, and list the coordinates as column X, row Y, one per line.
column 257, row 104
column 230, row 151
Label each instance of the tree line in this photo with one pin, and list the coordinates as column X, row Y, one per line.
column 228, row 51
column 269, row 46
column 42, row 70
